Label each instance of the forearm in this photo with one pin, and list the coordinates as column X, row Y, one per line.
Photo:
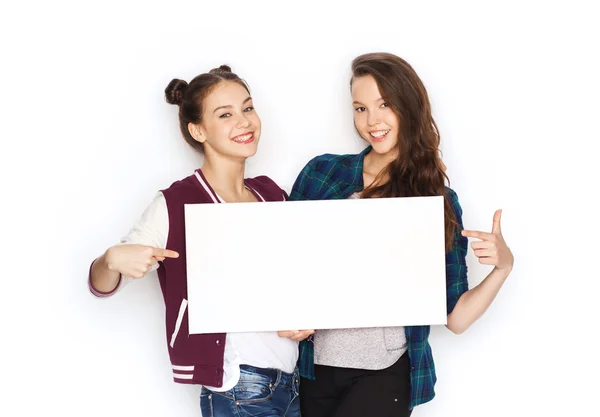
column 102, row 278
column 473, row 303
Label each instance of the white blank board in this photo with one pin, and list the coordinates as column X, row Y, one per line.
column 315, row 264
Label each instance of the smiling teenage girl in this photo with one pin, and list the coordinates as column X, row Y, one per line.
column 388, row 371
column 243, row 374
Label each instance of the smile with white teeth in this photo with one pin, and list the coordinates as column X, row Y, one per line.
column 379, row 133
column 243, row 138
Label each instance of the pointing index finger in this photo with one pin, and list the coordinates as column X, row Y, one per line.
column 477, row 234
column 164, row 253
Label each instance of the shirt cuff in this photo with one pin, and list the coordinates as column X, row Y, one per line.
column 96, row 292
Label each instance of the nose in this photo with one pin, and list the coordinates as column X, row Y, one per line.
column 373, row 119
column 243, row 122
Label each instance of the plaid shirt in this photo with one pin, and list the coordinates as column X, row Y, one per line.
column 338, row 177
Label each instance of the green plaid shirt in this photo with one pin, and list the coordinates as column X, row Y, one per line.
column 338, row 177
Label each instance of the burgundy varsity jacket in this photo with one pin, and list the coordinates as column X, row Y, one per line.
column 196, row 358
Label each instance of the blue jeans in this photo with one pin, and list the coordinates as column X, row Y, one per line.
column 259, row 393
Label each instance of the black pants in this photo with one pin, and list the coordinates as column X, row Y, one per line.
column 345, row 392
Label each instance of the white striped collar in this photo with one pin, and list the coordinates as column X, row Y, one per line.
column 213, row 194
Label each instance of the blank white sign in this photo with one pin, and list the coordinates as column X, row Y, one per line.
column 315, row 264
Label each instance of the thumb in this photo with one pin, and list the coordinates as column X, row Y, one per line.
column 496, row 229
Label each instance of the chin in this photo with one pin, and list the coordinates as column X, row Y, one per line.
column 383, row 148
column 249, row 152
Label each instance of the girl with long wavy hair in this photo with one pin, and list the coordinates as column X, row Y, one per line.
column 388, row 371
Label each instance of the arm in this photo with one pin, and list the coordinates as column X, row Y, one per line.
column 491, row 250
column 103, row 281
column 137, row 253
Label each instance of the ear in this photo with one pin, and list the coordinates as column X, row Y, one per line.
column 197, row 132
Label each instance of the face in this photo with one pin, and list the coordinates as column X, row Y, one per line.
column 373, row 118
column 230, row 126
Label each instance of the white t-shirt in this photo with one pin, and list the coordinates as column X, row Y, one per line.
column 262, row 349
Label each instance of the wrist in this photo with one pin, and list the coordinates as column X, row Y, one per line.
column 107, row 259
column 504, row 272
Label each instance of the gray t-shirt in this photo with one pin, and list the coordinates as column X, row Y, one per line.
column 364, row 348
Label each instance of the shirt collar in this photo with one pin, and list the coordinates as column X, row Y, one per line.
column 357, row 164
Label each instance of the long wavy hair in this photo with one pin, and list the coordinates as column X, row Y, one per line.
column 418, row 169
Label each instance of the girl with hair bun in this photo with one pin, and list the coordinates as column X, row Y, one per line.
column 242, row 374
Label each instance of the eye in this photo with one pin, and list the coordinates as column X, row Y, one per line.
column 360, row 109
column 385, row 105
column 248, row 109
column 225, row 115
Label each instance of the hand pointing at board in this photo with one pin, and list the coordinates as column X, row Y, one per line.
column 491, row 249
column 135, row 260
column 130, row 260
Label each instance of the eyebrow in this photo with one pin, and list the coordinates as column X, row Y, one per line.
column 358, row 102
column 229, row 106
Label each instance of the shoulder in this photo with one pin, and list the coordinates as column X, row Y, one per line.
column 158, row 203
column 328, row 161
column 264, row 181
column 327, row 167
column 152, row 226
column 183, row 184
column 272, row 190
column 191, row 189
column 452, row 197
column 155, row 211
column 322, row 171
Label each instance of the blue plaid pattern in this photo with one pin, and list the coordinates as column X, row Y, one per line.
column 338, row 177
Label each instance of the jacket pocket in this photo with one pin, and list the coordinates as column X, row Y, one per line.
column 182, row 309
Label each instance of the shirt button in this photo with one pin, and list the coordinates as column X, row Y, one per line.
column 218, row 341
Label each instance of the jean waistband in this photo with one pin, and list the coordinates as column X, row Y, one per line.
column 273, row 374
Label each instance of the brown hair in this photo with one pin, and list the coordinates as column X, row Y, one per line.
column 190, row 97
column 417, row 171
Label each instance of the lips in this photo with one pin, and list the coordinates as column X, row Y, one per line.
column 379, row 135
column 244, row 139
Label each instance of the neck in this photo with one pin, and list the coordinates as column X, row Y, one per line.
column 225, row 175
column 374, row 163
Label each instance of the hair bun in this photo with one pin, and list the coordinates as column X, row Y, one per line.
column 223, row 68
column 175, row 90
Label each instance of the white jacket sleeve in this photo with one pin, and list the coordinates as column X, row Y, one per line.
column 151, row 229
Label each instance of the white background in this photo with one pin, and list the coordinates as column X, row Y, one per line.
column 88, row 139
